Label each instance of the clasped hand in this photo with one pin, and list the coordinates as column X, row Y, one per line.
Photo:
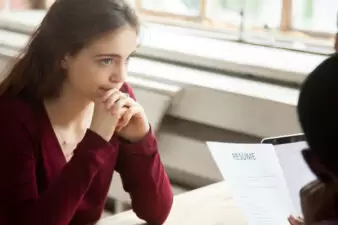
column 116, row 112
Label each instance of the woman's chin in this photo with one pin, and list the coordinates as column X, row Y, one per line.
column 97, row 95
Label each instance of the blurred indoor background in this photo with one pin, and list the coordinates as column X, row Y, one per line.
column 207, row 70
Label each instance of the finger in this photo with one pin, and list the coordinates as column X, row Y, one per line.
column 123, row 102
column 291, row 221
column 294, row 221
column 128, row 115
column 107, row 94
column 130, row 102
column 114, row 98
column 120, row 119
column 123, row 110
column 115, row 109
column 300, row 219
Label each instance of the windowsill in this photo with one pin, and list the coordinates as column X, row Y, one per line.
column 171, row 44
column 226, row 102
column 176, row 45
column 295, row 40
column 208, row 80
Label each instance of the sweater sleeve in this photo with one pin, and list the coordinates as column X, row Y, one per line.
column 144, row 178
column 20, row 202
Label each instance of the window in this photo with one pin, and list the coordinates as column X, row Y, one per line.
column 315, row 15
column 175, row 7
column 307, row 25
column 14, row 4
column 253, row 13
column 300, row 24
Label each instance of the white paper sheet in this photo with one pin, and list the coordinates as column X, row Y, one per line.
column 296, row 172
column 256, row 179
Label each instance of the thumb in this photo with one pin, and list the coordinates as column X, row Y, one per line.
column 295, row 221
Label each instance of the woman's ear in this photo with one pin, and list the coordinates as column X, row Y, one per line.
column 316, row 166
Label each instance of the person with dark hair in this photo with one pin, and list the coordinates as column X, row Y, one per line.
column 336, row 37
column 317, row 111
column 68, row 120
column 336, row 42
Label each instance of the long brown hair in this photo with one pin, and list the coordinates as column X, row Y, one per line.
column 68, row 26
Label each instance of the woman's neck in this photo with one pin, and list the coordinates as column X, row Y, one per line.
column 70, row 111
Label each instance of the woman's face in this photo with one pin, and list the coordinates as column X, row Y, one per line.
column 102, row 65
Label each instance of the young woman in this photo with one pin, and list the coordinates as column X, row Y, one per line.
column 68, row 120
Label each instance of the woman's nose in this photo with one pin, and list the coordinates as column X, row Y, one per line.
column 119, row 75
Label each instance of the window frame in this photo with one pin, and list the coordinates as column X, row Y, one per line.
column 201, row 20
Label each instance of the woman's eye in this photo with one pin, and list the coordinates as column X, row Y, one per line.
column 106, row 61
